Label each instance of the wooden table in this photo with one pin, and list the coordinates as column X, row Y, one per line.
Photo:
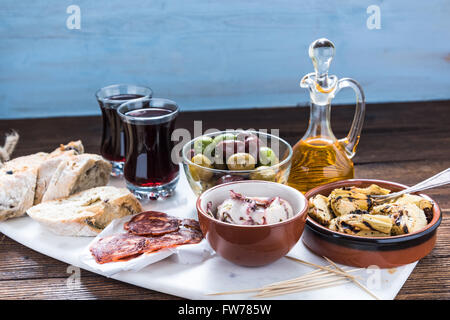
column 402, row 142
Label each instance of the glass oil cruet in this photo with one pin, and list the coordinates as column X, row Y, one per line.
column 319, row 157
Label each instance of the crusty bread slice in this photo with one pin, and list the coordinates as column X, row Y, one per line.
column 17, row 184
column 77, row 173
column 75, row 146
column 19, row 178
column 86, row 213
column 15, row 195
column 49, row 166
column 31, row 162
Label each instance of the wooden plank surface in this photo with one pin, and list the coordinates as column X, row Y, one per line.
column 404, row 142
column 215, row 54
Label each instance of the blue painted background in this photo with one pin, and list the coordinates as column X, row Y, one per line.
column 215, row 54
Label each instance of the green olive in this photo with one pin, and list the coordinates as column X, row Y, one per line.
column 263, row 173
column 223, row 137
column 201, row 143
column 267, row 157
column 209, row 151
column 201, row 160
column 199, row 173
column 241, row 161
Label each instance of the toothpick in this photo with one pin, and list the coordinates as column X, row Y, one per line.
column 306, row 278
column 294, row 290
column 303, row 280
column 323, row 276
column 343, row 273
column 355, row 281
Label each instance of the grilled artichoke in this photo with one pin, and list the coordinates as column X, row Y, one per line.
column 363, row 225
column 319, row 210
column 351, row 210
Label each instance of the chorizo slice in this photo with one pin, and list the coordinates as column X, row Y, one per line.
column 191, row 224
column 119, row 247
column 174, row 239
column 191, row 236
column 152, row 223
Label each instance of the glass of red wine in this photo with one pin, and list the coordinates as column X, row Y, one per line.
column 113, row 137
column 150, row 169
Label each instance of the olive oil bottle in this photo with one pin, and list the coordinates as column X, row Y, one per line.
column 319, row 158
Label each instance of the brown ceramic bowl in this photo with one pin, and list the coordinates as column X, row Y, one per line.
column 384, row 252
column 252, row 245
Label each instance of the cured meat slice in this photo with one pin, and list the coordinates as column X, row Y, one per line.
column 191, row 236
column 173, row 239
column 118, row 247
column 152, row 223
column 148, row 232
column 191, row 224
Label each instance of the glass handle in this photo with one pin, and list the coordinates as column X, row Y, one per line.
column 351, row 141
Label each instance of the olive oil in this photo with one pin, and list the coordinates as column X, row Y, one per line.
column 316, row 161
column 319, row 158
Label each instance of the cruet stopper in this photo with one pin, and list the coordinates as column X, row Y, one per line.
column 321, row 85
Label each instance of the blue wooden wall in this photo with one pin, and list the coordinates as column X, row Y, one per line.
column 211, row 54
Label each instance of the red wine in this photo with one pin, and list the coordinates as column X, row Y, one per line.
column 113, row 137
column 148, row 160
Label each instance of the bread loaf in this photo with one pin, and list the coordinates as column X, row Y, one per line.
column 27, row 180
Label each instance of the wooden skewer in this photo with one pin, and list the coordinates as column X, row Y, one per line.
column 355, row 281
column 314, row 275
column 293, row 290
column 341, row 272
column 254, row 289
column 300, row 281
column 313, row 282
column 305, row 276
column 327, row 277
column 323, row 276
column 296, row 290
column 233, row 292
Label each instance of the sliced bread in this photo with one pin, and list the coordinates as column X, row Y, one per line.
column 75, row 146
column 17, row 185
column 86, row 213
column 19, row 178
column 49, row 166
column 77, row 173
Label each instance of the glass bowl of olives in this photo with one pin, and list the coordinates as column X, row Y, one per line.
column 234, row 155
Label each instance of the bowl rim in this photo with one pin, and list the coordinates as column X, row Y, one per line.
column 430, row 227
column 298, row 215
column 237, row 172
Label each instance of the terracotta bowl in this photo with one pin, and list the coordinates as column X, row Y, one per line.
column 384, row 252
column 252, row 245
